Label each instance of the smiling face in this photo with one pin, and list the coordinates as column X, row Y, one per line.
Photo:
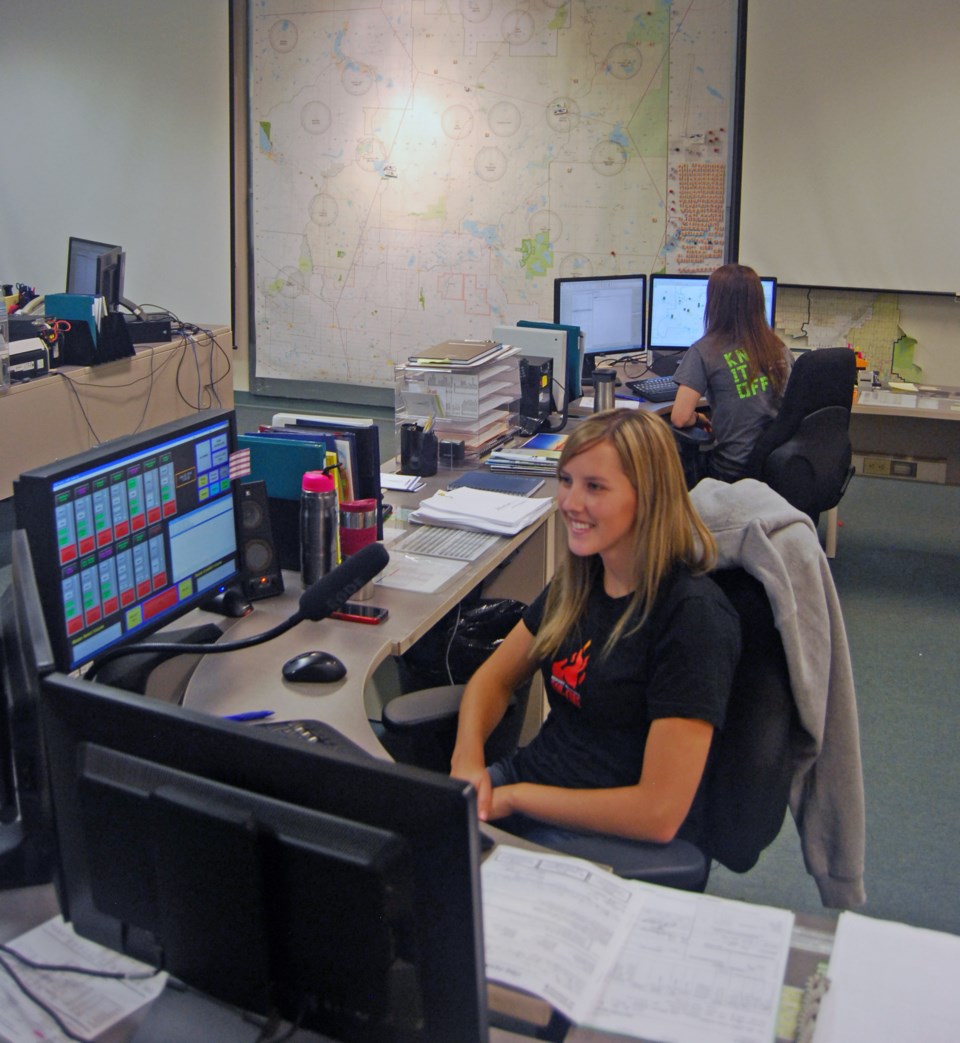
column 599, row 508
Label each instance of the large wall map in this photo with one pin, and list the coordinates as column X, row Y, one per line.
column 424, row 170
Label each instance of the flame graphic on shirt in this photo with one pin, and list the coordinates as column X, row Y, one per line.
column 566, row 675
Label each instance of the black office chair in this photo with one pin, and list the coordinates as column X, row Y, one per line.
column 805, row 453
column 748, row 774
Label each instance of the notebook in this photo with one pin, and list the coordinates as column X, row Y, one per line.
column 516, row 484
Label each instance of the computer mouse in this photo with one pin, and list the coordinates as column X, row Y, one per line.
column 312, row 667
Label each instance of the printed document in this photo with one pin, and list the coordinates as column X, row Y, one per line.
column 628, row 957
column 87, row 1005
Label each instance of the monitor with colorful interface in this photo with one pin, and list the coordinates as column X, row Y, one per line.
column 129, row 536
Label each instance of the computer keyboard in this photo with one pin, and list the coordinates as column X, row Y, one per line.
column 319, row 733
column 438, row 542
column 654, row 389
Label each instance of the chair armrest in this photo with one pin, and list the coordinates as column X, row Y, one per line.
column 693, row 436
column 424, row 707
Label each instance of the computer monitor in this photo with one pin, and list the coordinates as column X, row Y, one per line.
column 26, row 824
column 96, row 269
column 609, row 310
column 129, row 536
column 678, row 305
column 337, row 889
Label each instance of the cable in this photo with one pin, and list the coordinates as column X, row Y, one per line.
column 61, row 969
column 35, row 999
column 453, row 634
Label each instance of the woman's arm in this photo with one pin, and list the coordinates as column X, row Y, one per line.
column 684, row 412
column 674, row 759
column 484, row 702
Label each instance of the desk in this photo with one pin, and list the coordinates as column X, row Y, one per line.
column 250, row 679
column 922, row 428
column 811, row 943
column 77, row 407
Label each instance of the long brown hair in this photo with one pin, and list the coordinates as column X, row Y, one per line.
column 666, row 531
column 736, row 313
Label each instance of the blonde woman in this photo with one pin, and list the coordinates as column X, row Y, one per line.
column 636, row 644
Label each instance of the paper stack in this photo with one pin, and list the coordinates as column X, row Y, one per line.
column 538, row 455
column 481, row 511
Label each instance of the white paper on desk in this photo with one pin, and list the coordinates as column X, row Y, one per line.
column 481, row 510
column 631, row 958
column 697, row 969
column 551, row 924
column 88, row 1006
column 890, row 983
column 418, row 572
column 403, row 483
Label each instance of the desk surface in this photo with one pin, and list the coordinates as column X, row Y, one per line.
column 251, row 680
column 928, row 403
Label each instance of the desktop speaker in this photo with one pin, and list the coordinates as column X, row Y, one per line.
column 260, row 575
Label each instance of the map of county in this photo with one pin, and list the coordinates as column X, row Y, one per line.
column 424, row 170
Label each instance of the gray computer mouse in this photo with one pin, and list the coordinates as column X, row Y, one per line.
column 316, row 666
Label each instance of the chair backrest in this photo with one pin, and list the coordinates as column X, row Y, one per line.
column 752, row 763
column 805, row 452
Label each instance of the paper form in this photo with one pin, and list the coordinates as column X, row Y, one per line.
column 627, row 957
column 697, row 969
column 88, row 1006
column 551, row 925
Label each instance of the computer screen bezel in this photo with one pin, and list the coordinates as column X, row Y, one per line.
column 109, row 270
column 700, row 279
column 591, row 355
column 35, row 507
column 432, row 814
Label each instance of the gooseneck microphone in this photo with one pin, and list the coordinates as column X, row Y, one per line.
column 318, row 601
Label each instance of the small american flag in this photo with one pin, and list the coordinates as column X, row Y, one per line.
column 239, row 464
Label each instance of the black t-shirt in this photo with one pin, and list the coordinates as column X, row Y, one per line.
column 679, row 664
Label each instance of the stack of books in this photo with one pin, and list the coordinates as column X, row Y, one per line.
column 539, row 455
column 469, row 389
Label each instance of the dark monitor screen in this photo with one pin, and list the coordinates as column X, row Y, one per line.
column 610, row 311
column 337, row 889
column 131, row 535
column 26, row 826
column 96, row 269
column 678, row 305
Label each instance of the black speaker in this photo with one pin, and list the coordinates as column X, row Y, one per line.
column 260, row 575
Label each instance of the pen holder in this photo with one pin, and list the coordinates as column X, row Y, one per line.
column 418, row 450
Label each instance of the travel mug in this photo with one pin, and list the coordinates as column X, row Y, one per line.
column 604, row 382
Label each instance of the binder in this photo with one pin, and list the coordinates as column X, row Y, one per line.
column 280, row 464
column 367, row 437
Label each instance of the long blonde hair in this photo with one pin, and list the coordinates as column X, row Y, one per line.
column 666, row 531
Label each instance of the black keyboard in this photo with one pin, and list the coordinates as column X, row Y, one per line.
column 319, row 733
column 654, row 389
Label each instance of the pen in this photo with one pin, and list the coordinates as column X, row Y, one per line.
column 249, row 715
